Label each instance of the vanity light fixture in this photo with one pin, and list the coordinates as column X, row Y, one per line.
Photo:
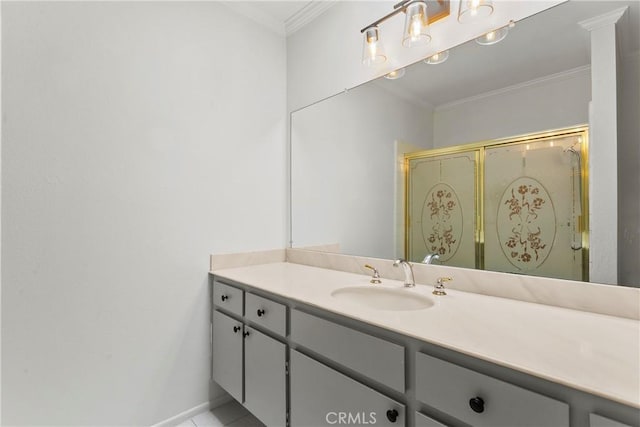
column 395, row 74
column 495, row 36
column 416, row 27
column 470, row 10
column 372, row 49
column 438, row 58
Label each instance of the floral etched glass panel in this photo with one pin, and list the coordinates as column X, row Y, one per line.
column 524, row 223
column 532, row 207
column 442, row 221
column 441, row 207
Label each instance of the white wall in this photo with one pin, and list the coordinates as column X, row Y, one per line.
column 628, row 167
column 324, row 57
column 138, row 138
column 549, row 103
column 352, row 136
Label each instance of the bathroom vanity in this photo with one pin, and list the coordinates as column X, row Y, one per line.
column 307, row 346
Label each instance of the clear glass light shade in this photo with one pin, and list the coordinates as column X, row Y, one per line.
column 372, row 50
column 395, row 74
column 470, row 10
column 438, row 58
column 416, row 25
column 493, row 37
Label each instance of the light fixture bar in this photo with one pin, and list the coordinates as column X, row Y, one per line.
column 387, row 16
column 436, row 9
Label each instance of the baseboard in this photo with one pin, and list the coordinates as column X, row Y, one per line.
column 186, row 415
column 190, row 413
column 220, row 400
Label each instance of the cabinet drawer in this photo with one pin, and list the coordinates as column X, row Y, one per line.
column 451, row 389
column 424, row 421
column 321, row 396
column 374, row 357
column 227, row 297
column 267, row 313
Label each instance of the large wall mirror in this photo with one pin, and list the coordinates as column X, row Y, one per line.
column 348, row 166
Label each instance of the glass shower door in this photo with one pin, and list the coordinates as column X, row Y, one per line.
column 533, row 207
column 442, row 207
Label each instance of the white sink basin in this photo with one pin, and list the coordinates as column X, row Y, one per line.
column 383, row 298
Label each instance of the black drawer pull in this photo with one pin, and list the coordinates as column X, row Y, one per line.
column 236, row 329
column 260, row 312
column 392, row 415
column 224, row 297
column 246, row 333
column 477, row 404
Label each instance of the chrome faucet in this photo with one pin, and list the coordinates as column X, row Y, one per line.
column 430, row 258
column 409, row 281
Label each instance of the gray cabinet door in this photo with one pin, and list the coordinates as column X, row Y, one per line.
column 265, row 378
column 227, row 354
column 321, row 396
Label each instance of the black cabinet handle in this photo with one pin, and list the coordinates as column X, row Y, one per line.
column 246, row 333
column 224, row 297
column 236, row 329
column 477, row 404
column 260, row 312
column 392, row 415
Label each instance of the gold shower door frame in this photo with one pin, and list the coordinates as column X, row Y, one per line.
column 479, row 190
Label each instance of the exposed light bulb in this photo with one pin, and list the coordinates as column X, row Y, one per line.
column 373, row 47
column 416, row 27
column 473, row 7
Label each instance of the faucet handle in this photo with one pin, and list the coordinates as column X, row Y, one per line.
column 375, row 279
column 439, row 288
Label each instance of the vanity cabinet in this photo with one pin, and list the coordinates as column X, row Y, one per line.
column 249, row 364
column 321, row 396
column 480, row 400
column 294, row 364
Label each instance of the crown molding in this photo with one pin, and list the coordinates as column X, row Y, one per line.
column 256, row 15
column 551, row 77
column 599, row 21
column 308, row 13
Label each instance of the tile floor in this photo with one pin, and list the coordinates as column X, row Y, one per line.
column 230, row 414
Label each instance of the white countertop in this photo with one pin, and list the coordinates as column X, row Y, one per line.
column 591, row 352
